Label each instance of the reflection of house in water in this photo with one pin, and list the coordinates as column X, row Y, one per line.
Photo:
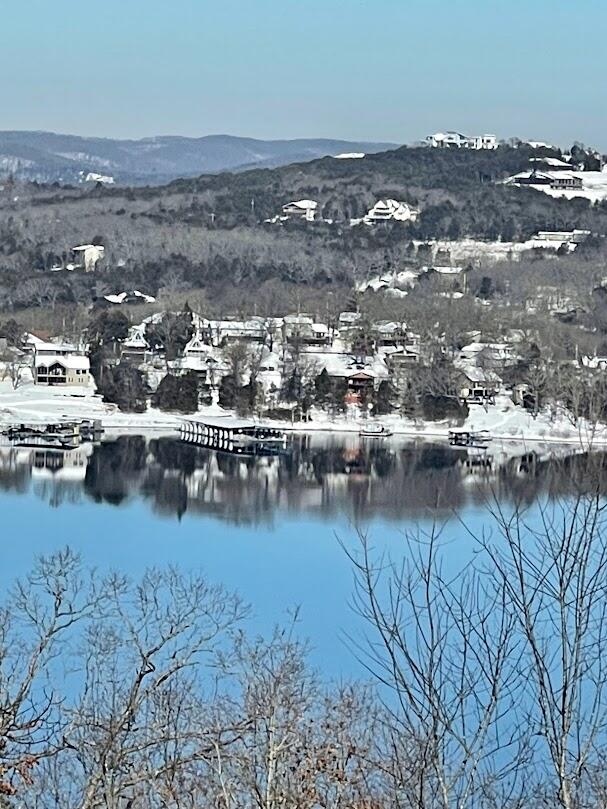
column 61, row 465
column 57, row 475
column 49, row 464
column 322, row 476
column 477, row 461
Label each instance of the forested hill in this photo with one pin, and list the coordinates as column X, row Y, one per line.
column 457, row 190
column 211, row 232
column 50, row 157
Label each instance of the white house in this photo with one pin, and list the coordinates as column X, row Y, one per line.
column 391, row 210
column 93, row 177
column 455, row 140
column 254, row 330
column 197, row 347
column 60, row 364
column 91, row 254
column 300, row 209
column 136, row 345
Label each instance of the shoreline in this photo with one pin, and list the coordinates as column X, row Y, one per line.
column 504, row 421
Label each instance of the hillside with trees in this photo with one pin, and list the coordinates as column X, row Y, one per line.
column 198, row 234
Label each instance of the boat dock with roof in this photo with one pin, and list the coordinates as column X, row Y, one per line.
column 229, row 434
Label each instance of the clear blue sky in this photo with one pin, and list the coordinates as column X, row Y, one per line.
column 359, row 69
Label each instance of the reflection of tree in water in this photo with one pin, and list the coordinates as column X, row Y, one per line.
column 318, row 476
column 115, row 469
column 171, row 454
column 14, row 477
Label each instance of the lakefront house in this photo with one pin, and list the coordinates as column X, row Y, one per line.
column 60, row 364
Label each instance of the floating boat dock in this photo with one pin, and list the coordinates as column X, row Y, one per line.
column 60, row 435
column 238, row 436
column 469, row 438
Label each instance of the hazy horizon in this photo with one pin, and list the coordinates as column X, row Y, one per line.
column 324, row 69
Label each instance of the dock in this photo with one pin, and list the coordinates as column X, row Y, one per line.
column 62, row 435
column 469, row 438
column 238, row 436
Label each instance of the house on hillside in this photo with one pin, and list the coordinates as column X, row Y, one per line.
column 557, row 180
column 390, row 210
column 571, row 236
column 60, row 364
column 477, row 385
column 362, row 376
column 136, row 347
column 89, row 255
column 566, row 182
column 448, row 278
column 300, row 209
column 304, row 330
column 495, row 356
column 389, row 333
column 455, row 140
column 551, row 163
column 196, row 347
column 401, row 364
column 224, row 332
column 133, row 297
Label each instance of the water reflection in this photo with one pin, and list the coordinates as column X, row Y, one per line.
column 319, row 476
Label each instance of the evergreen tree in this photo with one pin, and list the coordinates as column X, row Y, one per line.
column 178, row 393
column 322, row 388
column 383, row 399
column 228, row 390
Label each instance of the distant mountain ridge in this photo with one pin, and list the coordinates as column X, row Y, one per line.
column 48, row 157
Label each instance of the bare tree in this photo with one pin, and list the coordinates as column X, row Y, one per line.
column 445, row 649
column 554, row 574
column 14, row 368
column 41, row 612
column 143, row 659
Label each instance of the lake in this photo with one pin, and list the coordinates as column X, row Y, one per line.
column 269, row 527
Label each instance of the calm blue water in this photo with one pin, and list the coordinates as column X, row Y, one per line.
column 278, row 556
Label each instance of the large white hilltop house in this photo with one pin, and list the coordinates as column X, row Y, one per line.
column 391, row 210
column 455, row 140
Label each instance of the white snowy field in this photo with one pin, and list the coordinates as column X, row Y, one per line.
column 504, row 420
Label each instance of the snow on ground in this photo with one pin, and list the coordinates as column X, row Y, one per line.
column 504, row 420
column 36, row 403
column 594, row 187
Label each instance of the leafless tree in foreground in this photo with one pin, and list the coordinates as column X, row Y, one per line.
column 496, row 673
column 445, row 647
column 553, row 569
column 136, row 718
column 40, row 616
column 300, row 744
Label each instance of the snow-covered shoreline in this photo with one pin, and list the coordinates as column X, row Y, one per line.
column 504, row 420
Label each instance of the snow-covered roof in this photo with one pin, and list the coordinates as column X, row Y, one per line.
column 73, row 362
column 57, row 348
column 298, row 320
column 121, row 297
column 445, row 270
column 136, row 337
column 550, row 161
column 391, row 209
column 349, row 317
column 304, row 204
column 478, row 375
